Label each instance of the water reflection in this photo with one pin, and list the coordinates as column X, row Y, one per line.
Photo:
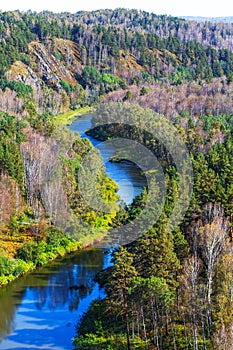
column 41, row 309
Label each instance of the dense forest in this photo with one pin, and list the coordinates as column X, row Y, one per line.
column 172, row 287
column 72, row 60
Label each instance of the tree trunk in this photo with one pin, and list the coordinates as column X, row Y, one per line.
column 144, row 327
column 126, row 315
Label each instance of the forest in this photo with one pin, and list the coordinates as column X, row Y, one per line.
column 71, row 60
column 171, row 288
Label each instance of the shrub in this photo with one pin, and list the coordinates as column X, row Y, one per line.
column 28, row 252
column 12, row 268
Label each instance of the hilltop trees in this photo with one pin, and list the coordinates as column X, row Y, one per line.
column 172, row 287
column 62, row 56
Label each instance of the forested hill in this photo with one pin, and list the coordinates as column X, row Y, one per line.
column 71, row 59
column 172, row 288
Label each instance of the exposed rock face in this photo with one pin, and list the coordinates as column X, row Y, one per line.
column 51, row 63
column 21, row 72
column 46, row 68
column 54, row 70
column 70, row 55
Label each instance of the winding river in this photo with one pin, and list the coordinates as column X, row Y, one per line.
column 128, row 177
column 41, row 309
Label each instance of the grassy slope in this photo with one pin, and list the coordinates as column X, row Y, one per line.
column 68, row 117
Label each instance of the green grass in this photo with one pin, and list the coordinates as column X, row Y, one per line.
column 68, row 117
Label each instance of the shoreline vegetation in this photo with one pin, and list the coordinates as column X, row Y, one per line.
column 185, row 297
column 38, row 254
column 35, row 254
column 20, row 267
column 172, row 288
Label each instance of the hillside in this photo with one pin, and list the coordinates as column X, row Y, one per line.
column 71, row 60
column 154, row 80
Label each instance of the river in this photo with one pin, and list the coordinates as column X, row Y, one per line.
column 128, row 177
column 41, row 309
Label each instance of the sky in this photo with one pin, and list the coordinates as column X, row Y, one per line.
column 204, row 8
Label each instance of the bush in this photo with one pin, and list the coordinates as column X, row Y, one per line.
column 12, row 268
column 20, row 88
column 20, row 267
column 33, row 254
column 99, row 342
column 28, row 252
column 66, row 86
column 5, row 266
column 56, row 244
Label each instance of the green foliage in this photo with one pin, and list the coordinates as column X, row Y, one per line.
column 66, row 86
column 57, row 55
column 11, row 136
column 181, row 246
column 147, row 280
column 30, row 252
column 91, row 75
column 43, row 123
column 107, row 342
column 153, row 278
column 128, row 96
column 98, row 330
column 92, row 78
column 147, row 78
column 12, row 268
column 30, row 106
column 188, row 59
column 144, row 91
column 112, row 82
column 182, row 74
column 15, row 44
column 222, row 122
column 56, row 244
column 21, row 89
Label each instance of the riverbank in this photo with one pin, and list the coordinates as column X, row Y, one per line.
column 68, row 117
column 44, row 252
column 34, row 254
column 44, row 307
column 15, row 265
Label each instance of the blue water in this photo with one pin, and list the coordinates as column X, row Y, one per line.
column 128, row 176
column 41, row 309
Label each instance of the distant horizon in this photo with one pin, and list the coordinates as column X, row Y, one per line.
column 180, row 8
column 113, row 9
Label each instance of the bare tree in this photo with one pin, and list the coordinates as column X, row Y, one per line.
column 212, row 241
column 190, row 296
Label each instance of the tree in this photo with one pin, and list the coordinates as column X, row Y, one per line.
column 212, row 241
column 152, row 298
column 190, row 284
column 121, row 278
column 155, row 255
column 128, row 96
column 222, row 337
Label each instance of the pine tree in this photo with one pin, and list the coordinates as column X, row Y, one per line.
column 117, row 289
